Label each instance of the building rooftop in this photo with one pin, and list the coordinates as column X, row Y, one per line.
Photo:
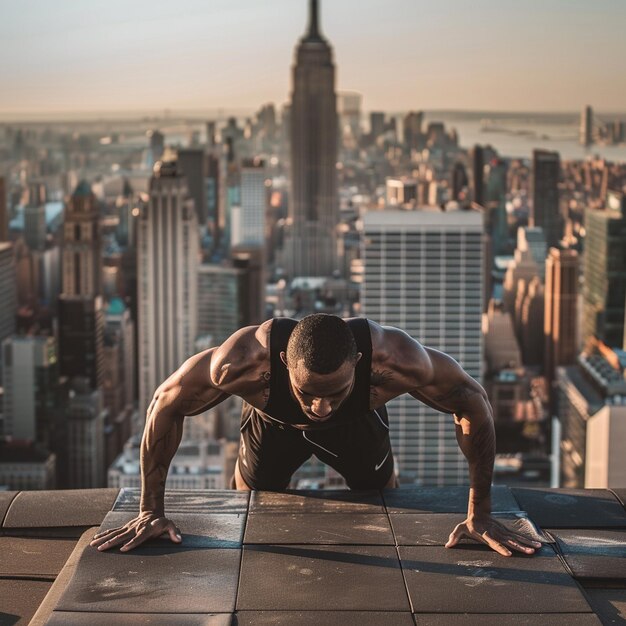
column 311, row 558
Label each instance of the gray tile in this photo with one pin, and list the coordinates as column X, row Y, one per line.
column 77, row 508
column 572, row 508
column 190, row 501
column 482, row 619
column 608, row 604
column 6, row 497
column 594, row 554
column 33, row 557
column 443, row 499
column 199, row 530
column 19, row 599
column 317, row 578
column 433, row 529
column 322, row 618
column 154, row 580
column 65, row 618
column 469, row 579
column 317, row 501
column 319, row 528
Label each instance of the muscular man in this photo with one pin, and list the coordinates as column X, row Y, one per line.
column 318, row 386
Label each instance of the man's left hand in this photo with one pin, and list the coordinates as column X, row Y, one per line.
column 486, row 529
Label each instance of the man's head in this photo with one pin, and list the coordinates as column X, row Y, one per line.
column 321, row 357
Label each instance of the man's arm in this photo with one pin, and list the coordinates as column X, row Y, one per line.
column 188, row 391
column 439, row 381
column 204, row 380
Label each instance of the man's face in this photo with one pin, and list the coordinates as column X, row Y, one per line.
column 321, row 395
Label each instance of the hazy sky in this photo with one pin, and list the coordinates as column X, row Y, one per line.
column 97, row 55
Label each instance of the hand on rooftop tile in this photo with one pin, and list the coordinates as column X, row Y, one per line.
column 485, row 529
column 141, row 528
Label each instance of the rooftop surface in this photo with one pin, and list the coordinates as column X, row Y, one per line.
column 312, row 558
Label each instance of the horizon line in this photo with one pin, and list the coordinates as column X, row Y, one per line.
column 168, row 113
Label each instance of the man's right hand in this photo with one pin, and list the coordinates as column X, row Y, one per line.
column 145, row 526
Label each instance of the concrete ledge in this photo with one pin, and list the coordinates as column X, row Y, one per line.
column 50, row 601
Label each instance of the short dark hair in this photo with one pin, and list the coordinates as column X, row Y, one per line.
column 325, row 342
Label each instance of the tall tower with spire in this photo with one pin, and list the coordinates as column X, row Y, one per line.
column 311, row 248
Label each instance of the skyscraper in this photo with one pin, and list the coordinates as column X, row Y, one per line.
column 478, row 166
column 85, row 437
column 586, row 126
column 249, row 226
column 545, row 195
column 604, row 288
column 81, row 244
column 377, row 124
column 350, row 105
column 81, row 337
column 230, row 296
column 311, row 250
column 31, row 379
column 560, row 317
column 8, row 292
column 412, row 130
column 157, row 146
column 193, row 165
column 167, row 265
column 423, row 273
column 80, row 309
column 4, row 218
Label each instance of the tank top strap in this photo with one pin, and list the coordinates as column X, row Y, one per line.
column 361, row 330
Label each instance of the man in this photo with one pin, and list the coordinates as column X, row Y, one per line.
column 318, row 386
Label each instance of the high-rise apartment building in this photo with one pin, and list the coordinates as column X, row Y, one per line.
column 561, row 311
column 604, row 287
column 591, row 410
column 533, row 239
column 423, row 273
column 120, row 331
column 167, row 267
column 85, row 437
column 311, row 249
column 226, row 299
column 523, row 268
column 545, row 195
column 81, row 337
column 248, row 220
column 25, row 466
column 31, row 378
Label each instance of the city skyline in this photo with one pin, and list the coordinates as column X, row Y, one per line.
column 239, row 56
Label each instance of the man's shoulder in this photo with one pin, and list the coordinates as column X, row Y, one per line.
column 393, row 348
column 242, row 358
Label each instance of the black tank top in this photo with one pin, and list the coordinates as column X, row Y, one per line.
column 283, row 408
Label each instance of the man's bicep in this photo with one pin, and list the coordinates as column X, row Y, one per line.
column 192, row 389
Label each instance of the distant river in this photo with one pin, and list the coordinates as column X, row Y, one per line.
column 518, row 134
